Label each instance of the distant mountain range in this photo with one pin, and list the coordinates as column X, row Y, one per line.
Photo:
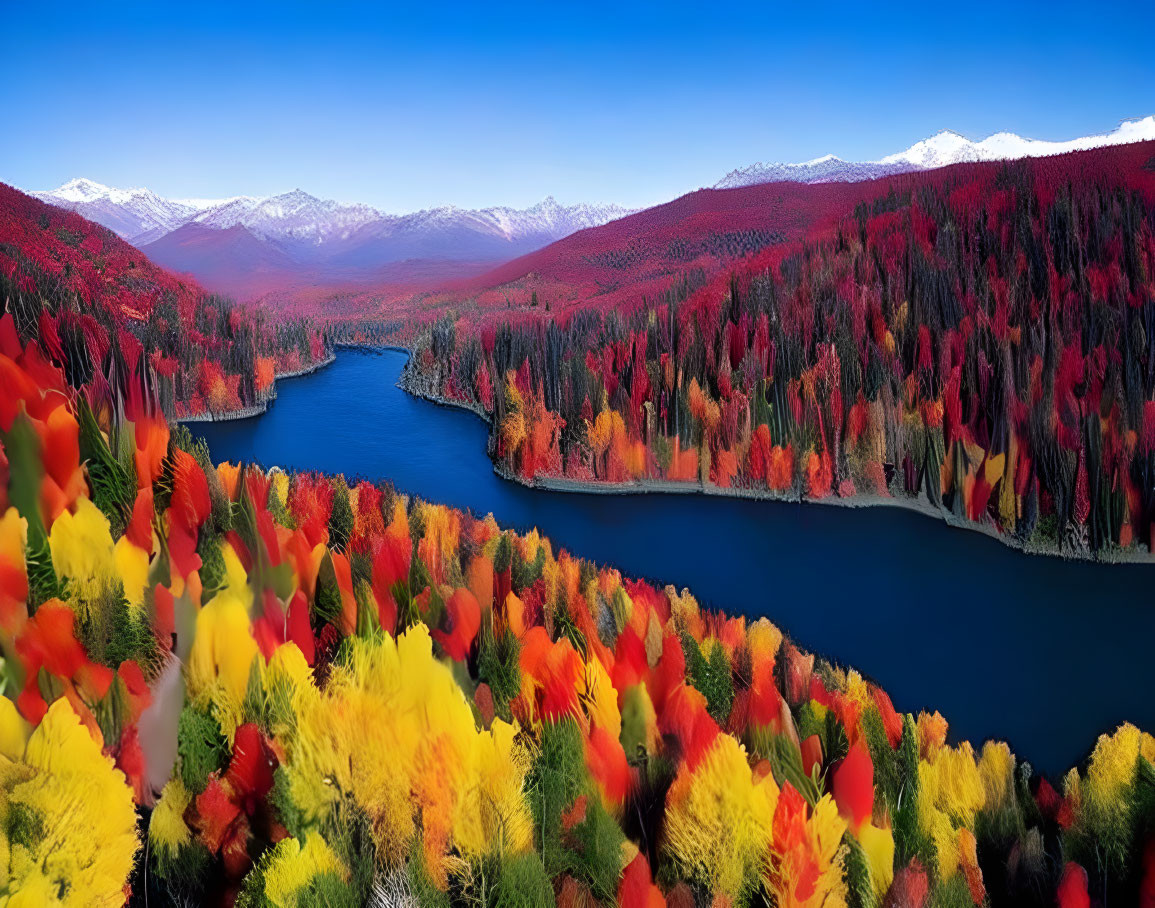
column 247, row 245
column 938, row 151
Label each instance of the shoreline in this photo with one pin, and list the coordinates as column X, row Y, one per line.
column 920, row 504
column 262, row 407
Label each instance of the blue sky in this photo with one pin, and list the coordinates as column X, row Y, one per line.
column 443, row 103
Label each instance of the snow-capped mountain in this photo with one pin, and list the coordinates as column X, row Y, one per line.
column 827, row 169
column 137, row 215
column 940, row 150
column 141, row 216
column 950, row 148
column 292, row 215
column 246, row 244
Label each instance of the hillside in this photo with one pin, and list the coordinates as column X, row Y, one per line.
column 977, row 339
column 114, row 319
column 247, row 247
column 238, row 687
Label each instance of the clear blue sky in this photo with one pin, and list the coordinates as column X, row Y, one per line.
column 444, row 103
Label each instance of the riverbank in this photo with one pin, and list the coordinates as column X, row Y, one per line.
column 425, row 388
column 261, row 407
column 910, row 601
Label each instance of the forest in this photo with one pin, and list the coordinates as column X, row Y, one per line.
column 238, row 686
column 978, row 338
column 233, row 685
column 250, row 687
column 97, row 303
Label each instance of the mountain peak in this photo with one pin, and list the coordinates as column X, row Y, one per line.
column 945, row 147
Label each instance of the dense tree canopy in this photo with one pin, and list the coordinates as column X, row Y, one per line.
column 980, row 336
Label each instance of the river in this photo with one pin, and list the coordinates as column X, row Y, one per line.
column 1043, row 653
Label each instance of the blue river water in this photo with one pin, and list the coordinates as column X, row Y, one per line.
column 1043, row 653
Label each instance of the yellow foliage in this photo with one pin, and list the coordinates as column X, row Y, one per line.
column 996, row 767
column 1103, row 797
column 291, row 868
column 132, row 567
column 13, row 730
column 719, row 820
column 684, row 612
column 764, row 639
column 13, row 532
column 86, row 841
column 878, row 844
column 167, row 830
column 601, row 432
column 951, row 792
column 513, row 397
column 393, row 730
column 224, row 650
column 281, row 488
column 81, row 546
column 601, row 699
column 495, row 815
column 858, row 691
column 513, row 430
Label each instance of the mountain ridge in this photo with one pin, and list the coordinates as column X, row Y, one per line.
column 944, row 148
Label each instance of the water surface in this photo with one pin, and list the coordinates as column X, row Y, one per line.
column 1043, row 653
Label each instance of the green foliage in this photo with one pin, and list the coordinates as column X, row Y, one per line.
column 597, row 856
column 522, row 883
column 713, row 676
column 497, row 666
column 327, row 605
column 212, row 572
column 368, row 620
column 424, row 891
column 564, row 626
column 162, row 488
column 284, row 809
column 328, row 890
column 503, row 554
column 786, row 764
column 856, row 872
column 350, row 834
column 555, row 781
column 525, row 573
column 952, row 893
column 340, row 517
column 635, row 718
column 910, row 841
column 112, row 631
column 279, row 510
column 184, row 871
column 113, row 484
column 809, row 720
column 24, row 824
column 252, row 894
column 882, row 755
column 201, row 747
column 324, row 890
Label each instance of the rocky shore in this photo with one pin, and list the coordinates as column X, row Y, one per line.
column 425, row 387
column 263, row 405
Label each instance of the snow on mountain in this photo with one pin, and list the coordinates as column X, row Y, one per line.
column 294, row 215
column 299, row 220
column 137, row 215
column 549, row 218
column 827, row 169
column 940, row 150
column 950, row 148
